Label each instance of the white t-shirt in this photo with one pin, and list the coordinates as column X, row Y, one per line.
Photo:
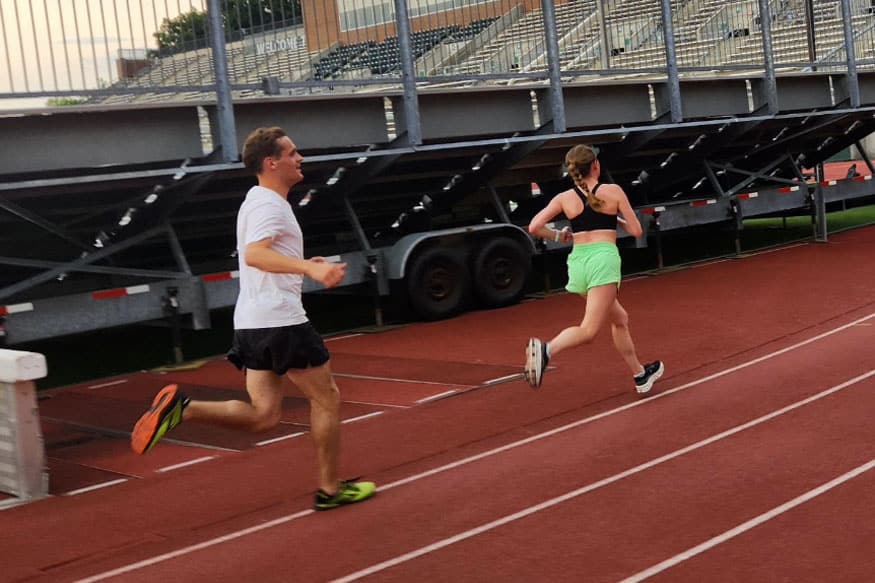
column 268, row 300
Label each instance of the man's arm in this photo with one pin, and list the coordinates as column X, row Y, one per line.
column 261, row 255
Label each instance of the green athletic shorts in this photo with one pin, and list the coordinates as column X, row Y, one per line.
column 591, row 265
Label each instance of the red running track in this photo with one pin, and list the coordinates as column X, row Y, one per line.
column 752, row 461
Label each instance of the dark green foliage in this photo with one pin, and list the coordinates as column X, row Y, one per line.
column 190, row 30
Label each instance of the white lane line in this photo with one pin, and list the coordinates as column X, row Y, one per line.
column 709, row 263
column 434, row 397
column 95, row 487
column 282, row 520
column 360, row 417
column 109, row 384
column 186, row 464
column 775, row 250
column 193, row 548
column 345, row 336
column 389, row 405
column 281, row 438
column 393, row 562
column 746, row 526
column 393, row 380
column 504, row 379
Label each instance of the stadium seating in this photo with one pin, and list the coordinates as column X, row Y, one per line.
column 708, row 33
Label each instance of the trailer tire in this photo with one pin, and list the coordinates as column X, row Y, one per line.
column 501, row 269
column 438, row 283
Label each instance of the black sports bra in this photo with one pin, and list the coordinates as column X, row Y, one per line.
column 590, row 219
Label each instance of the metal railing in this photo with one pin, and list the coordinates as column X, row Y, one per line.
column 119, row 51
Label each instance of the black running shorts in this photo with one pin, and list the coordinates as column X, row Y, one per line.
column 278, row 349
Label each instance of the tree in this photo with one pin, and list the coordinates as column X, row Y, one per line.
column 254, row 15
column 183, row 32
column 240, row 17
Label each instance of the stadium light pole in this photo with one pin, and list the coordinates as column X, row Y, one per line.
column 224, row 105
column 557, row 101
column 408, row 75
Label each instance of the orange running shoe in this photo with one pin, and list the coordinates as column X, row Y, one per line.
column 164, row 414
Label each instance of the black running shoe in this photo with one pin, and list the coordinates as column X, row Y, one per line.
column 536, row 362
column 645, row 380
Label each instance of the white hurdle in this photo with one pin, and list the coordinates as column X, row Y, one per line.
column 23, row 472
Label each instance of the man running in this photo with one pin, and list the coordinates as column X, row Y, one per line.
column 272, row 335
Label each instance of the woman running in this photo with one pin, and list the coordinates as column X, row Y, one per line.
column 594, row 210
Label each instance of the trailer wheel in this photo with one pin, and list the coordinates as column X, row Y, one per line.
column 501, row 269
column 438, row 283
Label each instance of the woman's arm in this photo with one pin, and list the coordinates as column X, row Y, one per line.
column 538, row 225
column 629, row 220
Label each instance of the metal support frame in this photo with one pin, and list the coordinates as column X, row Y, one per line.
column 809, row 30
column 712, row 178
column 101, row 269
column 820, row 230
column 787, row 141
column 753, row 175
column 505, row 158
column 768, row 57
column 605, row 55
column 850, row 53
column 353, row 181
column 193, row 184
column 176, row 248
column 224, row 105
column 557, row 101
column 671, row 63
column 43, row 224
column 48, row 275
column 865, row 156
column 496, row 202
column 408, row 75
column 667, row 177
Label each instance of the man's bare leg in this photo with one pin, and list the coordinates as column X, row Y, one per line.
column 317, row 384
column 263, row 412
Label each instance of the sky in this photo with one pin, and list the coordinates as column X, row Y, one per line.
column 49, row 45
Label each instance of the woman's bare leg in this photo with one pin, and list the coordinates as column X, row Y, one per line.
column 623, row 338
column 599, row 301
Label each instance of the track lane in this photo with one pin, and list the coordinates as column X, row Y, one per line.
column 830, row 538
column 730, row 306
column 724, row 401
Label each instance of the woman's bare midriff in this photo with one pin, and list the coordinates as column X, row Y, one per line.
column 597, row 236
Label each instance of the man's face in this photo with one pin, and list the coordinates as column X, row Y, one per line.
column 287, row 165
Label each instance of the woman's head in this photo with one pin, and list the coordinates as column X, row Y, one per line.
column 580, row 161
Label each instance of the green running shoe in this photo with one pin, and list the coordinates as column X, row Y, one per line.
column 164, row 414
column 349, row 492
